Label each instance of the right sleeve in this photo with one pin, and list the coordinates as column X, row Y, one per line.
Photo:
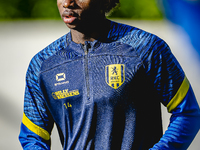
column 37, row 122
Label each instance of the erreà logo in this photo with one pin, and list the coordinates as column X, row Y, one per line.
column 115, row 75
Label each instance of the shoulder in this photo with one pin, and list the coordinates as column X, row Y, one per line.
column 37, row 60
column 143, row 42
column 129, row 34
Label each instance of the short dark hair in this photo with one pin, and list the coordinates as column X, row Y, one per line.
column 109, row 5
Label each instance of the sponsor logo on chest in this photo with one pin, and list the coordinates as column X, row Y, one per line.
column 61, row 94
column 64, row 94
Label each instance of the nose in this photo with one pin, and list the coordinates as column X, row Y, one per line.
column 68, row 3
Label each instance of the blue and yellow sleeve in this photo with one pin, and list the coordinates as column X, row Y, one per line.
column 37, row 122
column 42, row 133
column 184, row 122
column 179, row 96
column 33, row 137
column 175, row 92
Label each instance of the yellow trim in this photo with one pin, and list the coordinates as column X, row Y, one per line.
column 177, row 99
column 34, row 128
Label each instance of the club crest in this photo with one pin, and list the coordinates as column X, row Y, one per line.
column 115, row 75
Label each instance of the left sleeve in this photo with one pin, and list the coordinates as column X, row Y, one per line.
column 175, row 92
column 37, row 122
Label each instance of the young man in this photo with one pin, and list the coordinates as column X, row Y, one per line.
column 102, row 85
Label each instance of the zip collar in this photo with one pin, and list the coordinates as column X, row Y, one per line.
column 96, row 44
column 89, row 45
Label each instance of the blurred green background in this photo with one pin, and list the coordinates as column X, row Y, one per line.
column 34, row 9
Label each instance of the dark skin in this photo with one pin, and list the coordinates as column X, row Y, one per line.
column 85, row 19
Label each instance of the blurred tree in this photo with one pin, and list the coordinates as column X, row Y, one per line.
column 26, row 7
column 8, row 9
column 45, row 9
column 137, row 9
column 16, row 8
column 134, row 9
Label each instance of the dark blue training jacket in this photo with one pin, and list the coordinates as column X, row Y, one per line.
column 107, row 95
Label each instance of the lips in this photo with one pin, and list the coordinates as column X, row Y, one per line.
column 69, row 17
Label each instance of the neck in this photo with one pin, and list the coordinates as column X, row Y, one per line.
column 97, row 30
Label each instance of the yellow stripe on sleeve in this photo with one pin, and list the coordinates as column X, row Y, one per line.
column 34, row 128
column 177, row 99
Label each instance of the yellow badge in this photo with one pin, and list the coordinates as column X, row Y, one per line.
column 115, row 75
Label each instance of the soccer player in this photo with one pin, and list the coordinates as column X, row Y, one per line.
column 102, row 84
